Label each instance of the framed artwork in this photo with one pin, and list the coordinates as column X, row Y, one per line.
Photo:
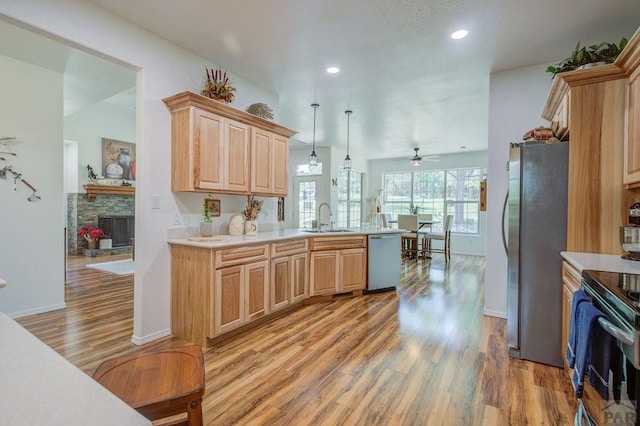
column 213, row 206
column 118, row 159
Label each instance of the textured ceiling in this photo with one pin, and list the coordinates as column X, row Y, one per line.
column 406, row 81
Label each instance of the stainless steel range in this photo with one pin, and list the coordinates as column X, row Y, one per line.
column 618, row 296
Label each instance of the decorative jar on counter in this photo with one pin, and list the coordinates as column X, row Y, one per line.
column 236, row 224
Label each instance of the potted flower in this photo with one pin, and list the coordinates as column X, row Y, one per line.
column 218, row 87
column 581, row 57
column 250, row 213
column 92, row 234
column 206, row 224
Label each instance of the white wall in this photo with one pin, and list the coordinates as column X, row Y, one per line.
column 516, row 99
column 464, row 244
column 88, row 126
column 31, row 233
column 165, row 70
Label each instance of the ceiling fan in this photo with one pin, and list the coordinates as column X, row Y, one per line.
column 416, row 160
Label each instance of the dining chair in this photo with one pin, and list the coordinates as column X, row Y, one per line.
column 423, row 229
column 387, row 220
column 410, row 223
column 444, row 236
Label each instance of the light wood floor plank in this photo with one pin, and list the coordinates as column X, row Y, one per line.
column 424, row 355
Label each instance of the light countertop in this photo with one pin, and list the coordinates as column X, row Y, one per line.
column 285, row 234
column 601, row 262
column 40, row 387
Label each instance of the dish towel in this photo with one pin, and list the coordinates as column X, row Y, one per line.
column 601, row 362
column 585, row 321
column 578, row 297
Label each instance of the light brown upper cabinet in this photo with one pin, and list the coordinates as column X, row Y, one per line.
column 604, row 147
column 218, row 148
column 632, row 124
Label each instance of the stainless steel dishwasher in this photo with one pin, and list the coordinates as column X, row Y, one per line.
column 384, row 271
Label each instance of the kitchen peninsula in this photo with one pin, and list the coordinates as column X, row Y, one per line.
column 237, row 282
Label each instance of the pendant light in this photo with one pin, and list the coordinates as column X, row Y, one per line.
column 415, row 161
column 347, row 159
column 313, row 158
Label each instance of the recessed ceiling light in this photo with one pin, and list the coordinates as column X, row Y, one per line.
column 333, row 70
column 459, row 34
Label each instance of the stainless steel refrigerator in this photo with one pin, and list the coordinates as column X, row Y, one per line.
column 537, row 233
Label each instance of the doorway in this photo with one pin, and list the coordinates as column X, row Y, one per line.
column 306, row 193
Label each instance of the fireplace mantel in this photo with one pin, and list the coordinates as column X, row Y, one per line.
column 93, row 190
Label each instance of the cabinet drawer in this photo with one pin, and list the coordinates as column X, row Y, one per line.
column 337, row 243
column 571, row 276
column 240, row 255
column 285, row 248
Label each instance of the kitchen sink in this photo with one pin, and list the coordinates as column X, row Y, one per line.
column 326, row 231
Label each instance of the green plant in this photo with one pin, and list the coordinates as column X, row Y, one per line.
column 603, row 52
column 218, row 87
column 413, row 209
column 206, row 211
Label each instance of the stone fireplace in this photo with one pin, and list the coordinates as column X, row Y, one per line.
column 120, row 228
column 82, row 212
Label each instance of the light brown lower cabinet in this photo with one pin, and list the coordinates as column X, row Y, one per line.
column 337, row 271
column 323, row 272
column 352, row 270
column 216, row 291
column 241, row 295
column 571, row 279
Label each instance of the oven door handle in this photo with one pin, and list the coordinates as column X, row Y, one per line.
column 625, row 337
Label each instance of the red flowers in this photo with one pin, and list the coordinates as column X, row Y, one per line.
column 90, row 233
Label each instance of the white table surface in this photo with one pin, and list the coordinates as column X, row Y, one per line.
column 601, row 262
column 40, row 387
column 285, row 234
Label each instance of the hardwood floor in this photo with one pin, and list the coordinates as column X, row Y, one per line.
column 423, row 356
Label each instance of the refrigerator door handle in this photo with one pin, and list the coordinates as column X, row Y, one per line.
column 504, row 213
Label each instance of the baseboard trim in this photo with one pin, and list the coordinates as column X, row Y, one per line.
column 496, row 314
column 36, row 311
column 136, row 340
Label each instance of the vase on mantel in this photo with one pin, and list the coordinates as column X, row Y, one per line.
column 92, row 244
column 250, row 227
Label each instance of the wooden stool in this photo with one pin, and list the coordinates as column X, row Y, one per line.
column 410, row 245
column 158, row 384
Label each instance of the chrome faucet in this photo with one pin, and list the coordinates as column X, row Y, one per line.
column 319, row 217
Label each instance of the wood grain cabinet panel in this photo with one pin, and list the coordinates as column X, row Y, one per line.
column 261, row 166
column 269, row 163
column 208, row 151
column 299, row 277
column 323, row 272
column 256, row 290
column 280, row 161
column 229, row 298
column 570, row 284
column 236, row 156
column 351, row 270
column 632, row 135
column 280, row 282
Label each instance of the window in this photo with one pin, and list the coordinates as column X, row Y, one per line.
column 436, row 192
column 349, row 210
column 306, row 170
